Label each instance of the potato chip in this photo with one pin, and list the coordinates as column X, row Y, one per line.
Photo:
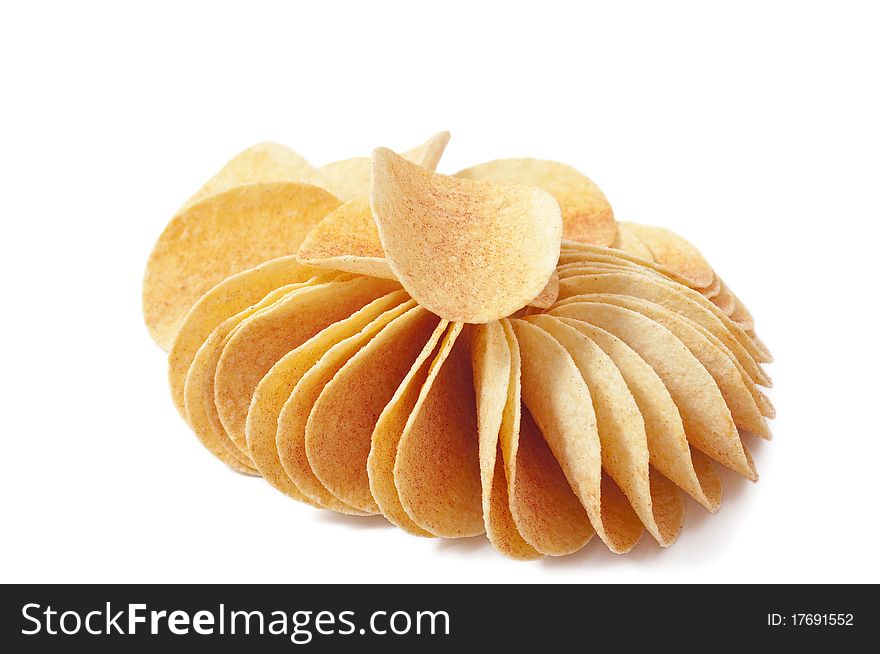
column 725, row 300
column 741, row 315
column 674, row 297
column 628, row 241
column 347, row 239
column 573, row 263
column 494, row 385
column 468, row 251
column 265, row 337
column 264, row 162
column 621, row 428
column 227, row 298
column 201, row 411
column 437, row 471
column 546, row 513
column 667, row 442
column 389, row 429
column 559, row 400
column 338, row 442
column 292, row 421
column 713, row 289
column 545, row 509
column 742, row 398
column 547, row 297
column 350, row 178
column 675, row 253
column 277, row 385
column 224, row 234
column 572, row 253
column 586, row 214
column 707, row 420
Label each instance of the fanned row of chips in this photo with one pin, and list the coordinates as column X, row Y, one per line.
column 489, row 352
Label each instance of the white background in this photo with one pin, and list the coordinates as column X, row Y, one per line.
column 751, row 129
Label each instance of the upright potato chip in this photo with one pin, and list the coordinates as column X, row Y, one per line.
column 667, row 442
column 494, row 381
column 547, row 297
column 338, row 441
column 437, row 471
column 675, row 253
column 261, row 340
column 741, row 315
column 622, row 435
column 628, row 241
column 675, row 297
column 389, row 429
column 264, row 162
column 725, row 300
column 736, row 387
column 545, row 509
column 546, row 514
column 579, row 257
column 347, row 239
column 586, row 214
column 350, row 178
column 467, row 251
column 293, row 419
column 278, row 384
column 581, row 253
column 220, row 236
column 559, row 400
column 201, row 411
column 232, row 295
column 713, row 289
column 707, row 420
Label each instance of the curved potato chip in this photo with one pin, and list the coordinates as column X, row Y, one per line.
column 347, row 239
column 707, row 420
column 622, row 435
column 201, row 412
column 350, row 178
column 667, row 442
column 674, row 297
column 713, row 289
column 263, row 162
column 547, row 297
column 628, row 242
column 467, row 251
column 674, row 252
column 290, row 437
column 736, row 387
column 572, row 253
column 340, row 426
column 545, row 509
column 725, row 300
column 741, row 315
column 389, row 428
column 576, row 256
column 232, row 295
column 276, row 387
column 264, row 338
column 546, row 513
column 559, row 400
column 220, row 236
column 680, row 301
column 493, row 381
column 437, row 471
column 586, row 214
